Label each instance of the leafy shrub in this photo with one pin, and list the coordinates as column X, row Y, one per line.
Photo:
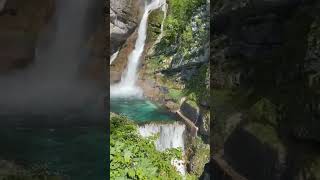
column 134, row 157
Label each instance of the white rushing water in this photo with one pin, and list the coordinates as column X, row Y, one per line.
column 127, row 86
column 170, row 136
column 53, row 82
column 164, row 9
column 113, row 57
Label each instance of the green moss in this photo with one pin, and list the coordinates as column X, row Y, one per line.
column 264, row 112
column 192, row 104
column 266, row 134
column 201, row 155
column 154, row 25
column 198, row 88
column 176, row 95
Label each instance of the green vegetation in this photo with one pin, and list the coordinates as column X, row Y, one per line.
column 200, row 154
column 155, row 21
column 263, row 111
column 179, row 15
column 185, row 34
column 175, row 95
column 198, row 87
column 134, row 157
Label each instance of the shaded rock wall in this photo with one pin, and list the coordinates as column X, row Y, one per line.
column 19, row 30
column 244, row 146
column 268, row 49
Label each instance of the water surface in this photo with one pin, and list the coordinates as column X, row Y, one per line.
column 78, row 153
column 140, row 110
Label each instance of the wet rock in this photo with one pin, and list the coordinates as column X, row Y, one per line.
column 164, row 90
column 190, row 110
column 171, row 105
column 200, row 157
column 154, row 25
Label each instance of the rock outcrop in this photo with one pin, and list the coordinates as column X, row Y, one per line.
column 124, row 18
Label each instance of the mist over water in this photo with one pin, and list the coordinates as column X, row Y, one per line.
column 127, row 86
column 53, row 83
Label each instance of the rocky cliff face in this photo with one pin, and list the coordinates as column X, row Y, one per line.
column 171, row 71
column 124, row 17
column 265, row 67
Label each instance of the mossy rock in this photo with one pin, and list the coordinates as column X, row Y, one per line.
column 314, row 171
column 263, row 111
column 175, row 95
column 252, row 143
column 154, row 25
column 200, row 158
column 266, row 134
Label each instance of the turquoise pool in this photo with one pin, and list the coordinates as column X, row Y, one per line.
column 140, row 110
column 78, row 153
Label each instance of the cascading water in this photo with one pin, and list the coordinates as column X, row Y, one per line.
column 170, row 136
column 127, row 86
column 52, row 82
column 164, row 9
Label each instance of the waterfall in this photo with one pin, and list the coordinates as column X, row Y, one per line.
column 2, row 4
column 114, row 56
column 127, row 86
column 53, row 82
column 164, row 9
column 170, row 136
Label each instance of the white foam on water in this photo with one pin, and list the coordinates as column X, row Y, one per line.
column 170, row 136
